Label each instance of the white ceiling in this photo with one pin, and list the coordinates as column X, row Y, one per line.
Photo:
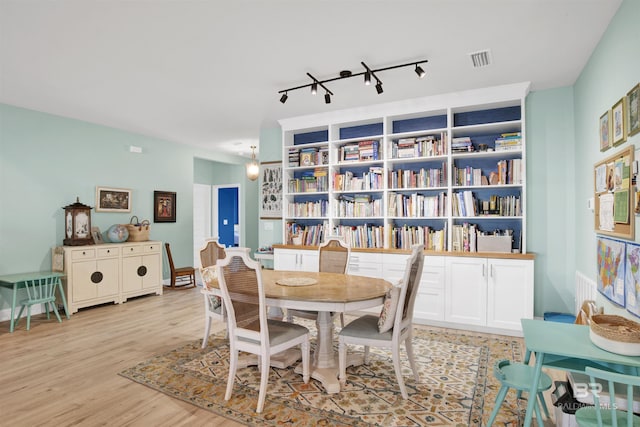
column 207, row 73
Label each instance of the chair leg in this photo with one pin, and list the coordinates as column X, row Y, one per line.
column 55, row 311
column 538, row 416
column 366, row 354
column 544, row 405
column 264, row 379
column 408, row 344
column 499, row 399
column 46, row 310
column 398, row 369
column 342, row 320
column 207, row 329
column 233, row 365
column 342, row 361
column 306, row 355
column 28, row 317
column 19, row 316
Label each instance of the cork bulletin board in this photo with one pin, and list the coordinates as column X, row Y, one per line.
column 614, row 195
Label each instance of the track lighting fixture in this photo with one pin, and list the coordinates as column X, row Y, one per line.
column 368, row 73
column 253, row 169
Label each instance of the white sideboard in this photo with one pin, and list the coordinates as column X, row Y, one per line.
column 111, row 272
column 484, row 292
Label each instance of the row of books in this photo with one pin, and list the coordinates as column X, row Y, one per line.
column 312, row 235
column 309, row 185
column 308, row 156
column 461, row 144
column 464, row 238
column 507, row 172
column 468, row 176
column 361, row 236
column 509, row 141
column 500, row 206
column 406, row 236
column 463, row 203
column 357, row 206
column 308, row 209
column 424, row 178
column 422, row 146
column 348, row 181
column 417, row 205
column 360, row 151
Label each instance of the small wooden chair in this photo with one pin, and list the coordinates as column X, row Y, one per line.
column 39, row 291
column 181, row 278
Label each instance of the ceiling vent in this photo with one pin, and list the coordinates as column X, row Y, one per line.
column 481, row 58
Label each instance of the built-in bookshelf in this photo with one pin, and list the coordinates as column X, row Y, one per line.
column 438, row 170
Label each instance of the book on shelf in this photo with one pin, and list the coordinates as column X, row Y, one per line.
column 308, row 156
column 294, row 157
column 350, row 152
column 368, row 150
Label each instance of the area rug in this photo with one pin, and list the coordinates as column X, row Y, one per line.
column 456, row 387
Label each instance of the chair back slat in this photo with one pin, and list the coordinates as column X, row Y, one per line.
column 613, row 406
column 211, row 253
column 43, row 289
column 333, row 256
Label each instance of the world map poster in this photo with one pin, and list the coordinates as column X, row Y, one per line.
column 611, row 264
column 632, row 278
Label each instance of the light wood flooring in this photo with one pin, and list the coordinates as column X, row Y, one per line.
column 66, row 374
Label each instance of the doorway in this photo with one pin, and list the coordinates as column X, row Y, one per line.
column 228, row 223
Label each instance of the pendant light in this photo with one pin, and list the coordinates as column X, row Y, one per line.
column 253, row 169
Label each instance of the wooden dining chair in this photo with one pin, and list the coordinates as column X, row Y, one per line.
column 210, row 253
column 610, row 408
column 393, row 327
column 333, row 257
column 39, row 291
column 240, row 281
column 181, row 278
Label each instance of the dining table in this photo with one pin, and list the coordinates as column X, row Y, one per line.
column 568, row 347
column 326, row 293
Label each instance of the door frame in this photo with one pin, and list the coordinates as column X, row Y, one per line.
column 214, row 212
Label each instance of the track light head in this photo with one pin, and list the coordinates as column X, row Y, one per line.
column 284, row 97
column 314, row 88
column 327, row 98
column 419, row 71
column 379, row 88
column 367, row 78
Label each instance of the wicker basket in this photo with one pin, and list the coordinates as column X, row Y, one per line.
column 138, row 231
column 615, row 328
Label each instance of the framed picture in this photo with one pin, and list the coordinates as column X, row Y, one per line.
column 271, row 190
column 97, row 236
column 618, row 123
column 633, row 110
column 605, row 131
column 113, row 199
column 164, row 206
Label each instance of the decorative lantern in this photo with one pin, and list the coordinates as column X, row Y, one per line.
column 77, row 224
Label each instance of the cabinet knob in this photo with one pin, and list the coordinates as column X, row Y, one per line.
column 142, row 270
column 84, row 253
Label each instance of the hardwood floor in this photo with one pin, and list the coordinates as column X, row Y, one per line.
column 66, row 374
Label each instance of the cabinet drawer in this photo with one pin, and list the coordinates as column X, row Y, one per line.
column 83, row 254
column 133, row 249
column 152, row 247
column 108, row 252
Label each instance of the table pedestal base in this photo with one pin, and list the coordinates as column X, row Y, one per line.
column 328, row 376
column 281, row 360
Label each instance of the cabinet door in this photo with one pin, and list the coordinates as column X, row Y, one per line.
column 365, row 264
column 93, row 279
column 429, row 303
column 152, row 277
column 510, row 293
column 466, row 290
column 132, row 272
column 393, row 267
column 308, row 261
column 284, row 259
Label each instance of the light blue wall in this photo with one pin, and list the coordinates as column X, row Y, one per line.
column 612, row 70
column 270, row 150
column 47, row 161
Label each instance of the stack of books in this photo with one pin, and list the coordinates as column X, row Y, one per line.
column 308, row 156
column 509, row 141
column 368, row 150
column 294, row 157
column 350, row 153
column 461, row 144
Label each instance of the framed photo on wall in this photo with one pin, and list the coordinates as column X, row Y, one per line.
column 271, row 190
column 618, row 123
column 164, row 206
column 113, row 199
column 605, row 131
column 633, row 110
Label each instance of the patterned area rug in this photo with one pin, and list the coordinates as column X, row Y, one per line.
column 456, row 387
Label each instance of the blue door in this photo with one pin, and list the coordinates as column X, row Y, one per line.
column 228, row 216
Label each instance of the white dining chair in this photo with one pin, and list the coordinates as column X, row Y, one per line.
column 393, row 327
column 240, row 281
column 333, row 257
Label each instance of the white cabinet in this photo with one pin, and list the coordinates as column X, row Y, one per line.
column 141, row 271
column 429, row 303
column 365, row 264
column 491, row 292
column 295, row 260
column 111, row 272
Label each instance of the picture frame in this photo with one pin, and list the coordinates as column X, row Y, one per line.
column 97, row 236
column 110, row 199
column 164, row 206
column 618, row 122
column 605, row 131
column 633, row 110
column 271, row 190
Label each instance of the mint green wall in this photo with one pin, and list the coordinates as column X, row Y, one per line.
column 550, row 202
column 610, row 73
column 270, row 150
column 47, row 161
